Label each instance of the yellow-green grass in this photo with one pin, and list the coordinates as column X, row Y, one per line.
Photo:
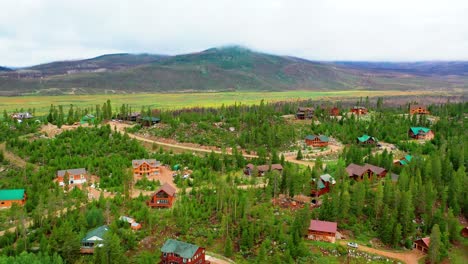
column 180, row 100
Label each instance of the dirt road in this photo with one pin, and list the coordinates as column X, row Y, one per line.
column 13, row 158
column 409, row 257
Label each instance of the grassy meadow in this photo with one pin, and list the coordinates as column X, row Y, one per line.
column 180, row 100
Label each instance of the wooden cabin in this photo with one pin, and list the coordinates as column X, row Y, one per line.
column 93, row 239
column 403, row 161
column 75, row 177
column 366, row 140
column 262, row 169
column 148, row 167
column 464, row 232
column 359, row 110
column 322, row 185
column 134, row 225
column 322, row 231
column 148, row 121
column 163, row 198
column 418, row 110
column 423, row 133
column 317, row 140
column 178, row 252
column 367, row 171
column 335, row 111
column 9, row 197
column 422, row 244
column 304, row 113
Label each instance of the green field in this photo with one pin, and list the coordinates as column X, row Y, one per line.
column 181, row 100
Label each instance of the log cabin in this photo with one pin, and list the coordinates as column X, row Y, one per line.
column 304, row 113
column 418, row 110
column 317, row 141
column 75, row 177
column 148, row 167
column 178, row 252
column 366, row 140
column 367, row 171
column 322, row 185
column 359, row 110
column 322, row 231
column 163, row 198
column 9, row 197
column 423, row 133
column 93, row 239
column 261, row 169
column 422, row 244
column 403, row 161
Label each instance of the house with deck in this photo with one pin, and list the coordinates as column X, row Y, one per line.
column 322, row 231
column 148, row 167
column 359, row 110
column 317, row 141
column 262, row 169
column 8, row 197
column 423, row 133
column 422, row 244
column 178, row 252
column 368, row 171
column 74, row 177
column 366, row 140
column 418, row 109
column 93, row 240
column 163, row 198
column 305, row 113
column 322, row 185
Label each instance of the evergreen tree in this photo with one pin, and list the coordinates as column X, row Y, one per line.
column 435, row 245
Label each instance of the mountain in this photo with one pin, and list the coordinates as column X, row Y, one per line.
column 4, row 69
column 226, row 69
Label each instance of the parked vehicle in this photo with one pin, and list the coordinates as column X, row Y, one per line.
column 352, row 244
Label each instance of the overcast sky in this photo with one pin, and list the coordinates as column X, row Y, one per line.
column 38, row 31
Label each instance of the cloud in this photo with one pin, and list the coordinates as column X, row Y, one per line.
column 44, row 30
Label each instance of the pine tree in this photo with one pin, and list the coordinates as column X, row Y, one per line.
column 435, row 245
column 299, row 155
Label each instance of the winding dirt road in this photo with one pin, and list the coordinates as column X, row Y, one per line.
column 409, row 257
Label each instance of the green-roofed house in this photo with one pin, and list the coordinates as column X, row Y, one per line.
column 89, row 118
column 322, row 185
column 149, row 121
column 366, row 140
column 93, row 239
column 317, row 140
column 11, row 196
column 421, row 133
column 178, row 252
column 403, row 161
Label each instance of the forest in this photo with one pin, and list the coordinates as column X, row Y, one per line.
column 428, row 200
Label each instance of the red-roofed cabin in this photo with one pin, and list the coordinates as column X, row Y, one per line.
column 367, row 171
column 163, row 197
column 419, row 110
column 335, row 111
column 359, row 110
column 322, row 231
column 422, row 244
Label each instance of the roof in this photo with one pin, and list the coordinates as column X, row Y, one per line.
column 167, row 188
column 137, row 163
column 96, row 234
column 150, row 118
column 12, row 194
column 61, row 173
column 264, row 168
column 416, row 106
column 183, row 249
column 417, row 130
column 425, row 240
column 408, row 158
column 359, row 107
column 323, row 226
column 365, row 137
column 127, row 219
column 304, row 109
column 354, row 169
column 320, row 137
column 327, row 178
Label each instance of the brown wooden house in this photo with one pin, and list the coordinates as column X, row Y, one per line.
column 464, row 232
column 322, row 231
column 178, row 252
column 163, row 198
column 12, row 196
column 418, row 110
column 367, row 171
column 148, row 167
column 261, row 169
column 317, row 140
column 366, row 140
column 420, row 133
column 359, row 110
column 322, row 185
column 422, row 244
column 335, row 111
column 304, row 113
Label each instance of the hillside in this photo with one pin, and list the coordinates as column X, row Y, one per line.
column 221, row 69
column 4, row 69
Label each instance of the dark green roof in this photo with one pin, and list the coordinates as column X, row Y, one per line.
column 408, row 158
column 185, row 250
column 416, row 130
column 365, row 137
column 152, row 119
column 13, row 194
column 321, row 137
column 97, row 232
